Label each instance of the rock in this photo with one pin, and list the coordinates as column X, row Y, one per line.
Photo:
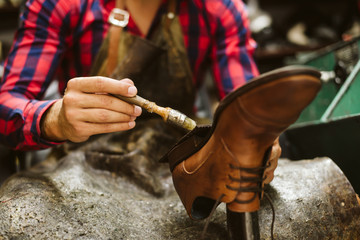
column 107, row 189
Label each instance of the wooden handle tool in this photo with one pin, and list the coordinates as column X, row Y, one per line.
column 168, row 114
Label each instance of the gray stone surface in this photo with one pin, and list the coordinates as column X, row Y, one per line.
column 75, row 201
column 77, row 197
column 313, row 200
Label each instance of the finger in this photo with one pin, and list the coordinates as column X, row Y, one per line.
column 104, row 101
column 83, row 130
column 273, row 162
column 101, row 84
column 98, row 128
column 276, row 149
column 127, row 80
column 274, row 156
column 97, row 115
column 269, row 171
column 269, row 177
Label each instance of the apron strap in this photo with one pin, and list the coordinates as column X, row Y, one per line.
column 115, row 31
column 171, row 12
column 114, row 37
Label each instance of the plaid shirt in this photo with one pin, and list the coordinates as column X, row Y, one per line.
column 59, row 39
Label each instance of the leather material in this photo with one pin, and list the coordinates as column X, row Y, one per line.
column 158, row 64
column 226, row 161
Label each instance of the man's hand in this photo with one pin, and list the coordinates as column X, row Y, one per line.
column 273, row 161
column 87, row 109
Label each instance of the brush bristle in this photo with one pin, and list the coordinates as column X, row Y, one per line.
column 189, row 124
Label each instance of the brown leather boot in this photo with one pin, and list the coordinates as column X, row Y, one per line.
column 226, row 161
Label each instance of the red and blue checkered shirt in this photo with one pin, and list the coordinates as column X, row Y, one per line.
column 59, row 39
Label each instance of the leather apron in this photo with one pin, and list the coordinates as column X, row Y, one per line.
column 158, row 66
column 161, row 72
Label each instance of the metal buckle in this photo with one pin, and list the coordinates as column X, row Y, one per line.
column 116, row 22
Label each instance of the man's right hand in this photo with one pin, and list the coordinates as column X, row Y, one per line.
column 87, row 109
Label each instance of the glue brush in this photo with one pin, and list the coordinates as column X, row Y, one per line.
column 168, row 114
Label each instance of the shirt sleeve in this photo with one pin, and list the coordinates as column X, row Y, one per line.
column 233, row 47
column 29, row 69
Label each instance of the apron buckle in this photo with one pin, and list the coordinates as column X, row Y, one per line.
column 117, row 13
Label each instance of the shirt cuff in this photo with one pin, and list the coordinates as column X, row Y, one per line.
column 43, row 143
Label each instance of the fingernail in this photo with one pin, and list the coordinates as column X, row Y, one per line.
column 131, row 124
column 137, row 110
column 132, row 90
